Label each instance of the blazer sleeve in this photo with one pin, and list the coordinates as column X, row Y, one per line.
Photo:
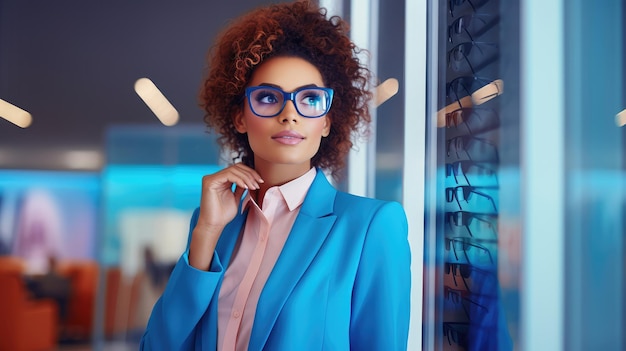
column 187, row 295
column 381, row 296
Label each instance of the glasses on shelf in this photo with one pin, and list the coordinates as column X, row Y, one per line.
column 473, row 26
column 473, row 224
column 477, row 281
column 456, row 3
column 473, row 196
column 468, row 147
column 482, row 173
column 463, row 86
column 475, row 120
column 269, row 101
column 456, row 333
column 465, row 250
column 462, row 298
column 460, row 54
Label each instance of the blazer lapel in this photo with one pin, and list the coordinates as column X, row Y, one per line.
column 307, row 235
column 226, row 243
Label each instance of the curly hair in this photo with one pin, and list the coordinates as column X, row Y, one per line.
column 299, row 29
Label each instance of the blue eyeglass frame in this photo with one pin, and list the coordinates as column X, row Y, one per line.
column 289, row 97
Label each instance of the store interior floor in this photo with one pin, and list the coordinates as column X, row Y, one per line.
column 107, row 346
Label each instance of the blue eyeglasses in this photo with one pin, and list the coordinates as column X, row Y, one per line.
column 310, row 102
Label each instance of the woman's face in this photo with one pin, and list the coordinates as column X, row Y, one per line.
column 287, row 139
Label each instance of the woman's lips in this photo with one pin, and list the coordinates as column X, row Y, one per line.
column 288, row 137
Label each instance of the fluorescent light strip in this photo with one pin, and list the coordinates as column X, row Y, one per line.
column 15, row 114
column 620, row 118
column 156, row 101
column 386, row 90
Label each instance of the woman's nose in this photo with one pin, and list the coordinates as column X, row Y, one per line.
column 289, row 113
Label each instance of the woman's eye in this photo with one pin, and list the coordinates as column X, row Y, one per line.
column 267, row 98
column 311, row 99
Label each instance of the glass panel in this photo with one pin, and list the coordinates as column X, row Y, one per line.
column 390, row 114
column 477, row 235
column 595, row 273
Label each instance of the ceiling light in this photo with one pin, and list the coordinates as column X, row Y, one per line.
column 386, row 90
column 82, row 159
column 156, row 101
column 15, row 114
column 620, row 118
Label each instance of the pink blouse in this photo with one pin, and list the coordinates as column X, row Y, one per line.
column 264, row 235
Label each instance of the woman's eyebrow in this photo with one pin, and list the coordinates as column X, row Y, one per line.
column 281, row 88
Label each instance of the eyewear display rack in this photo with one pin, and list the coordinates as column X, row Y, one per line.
column 468, row 314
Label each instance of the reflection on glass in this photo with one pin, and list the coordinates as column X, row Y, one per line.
column 465, row 85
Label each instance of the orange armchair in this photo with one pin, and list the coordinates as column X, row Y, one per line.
column 25, row 324
column 83, row 275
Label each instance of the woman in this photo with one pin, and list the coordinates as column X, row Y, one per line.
column 284, row 261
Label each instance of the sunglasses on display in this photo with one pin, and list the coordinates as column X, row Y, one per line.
column 471, row 148
column 473, row 196
column 481, row 173
column 462, row 298
column 473, row 26
column 460, row 54
column 474, row 224
column 473, row 253
column 475, row 119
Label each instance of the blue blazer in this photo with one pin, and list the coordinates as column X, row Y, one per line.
column 341, row 282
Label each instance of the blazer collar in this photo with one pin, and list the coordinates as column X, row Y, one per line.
column 307, row 236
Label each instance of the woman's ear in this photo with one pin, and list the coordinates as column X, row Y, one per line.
column 326, row 129
column 240, row 124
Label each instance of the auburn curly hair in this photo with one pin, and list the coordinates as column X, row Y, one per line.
column 299, row 29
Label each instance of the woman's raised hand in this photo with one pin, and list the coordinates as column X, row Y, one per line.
column 218, row 206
